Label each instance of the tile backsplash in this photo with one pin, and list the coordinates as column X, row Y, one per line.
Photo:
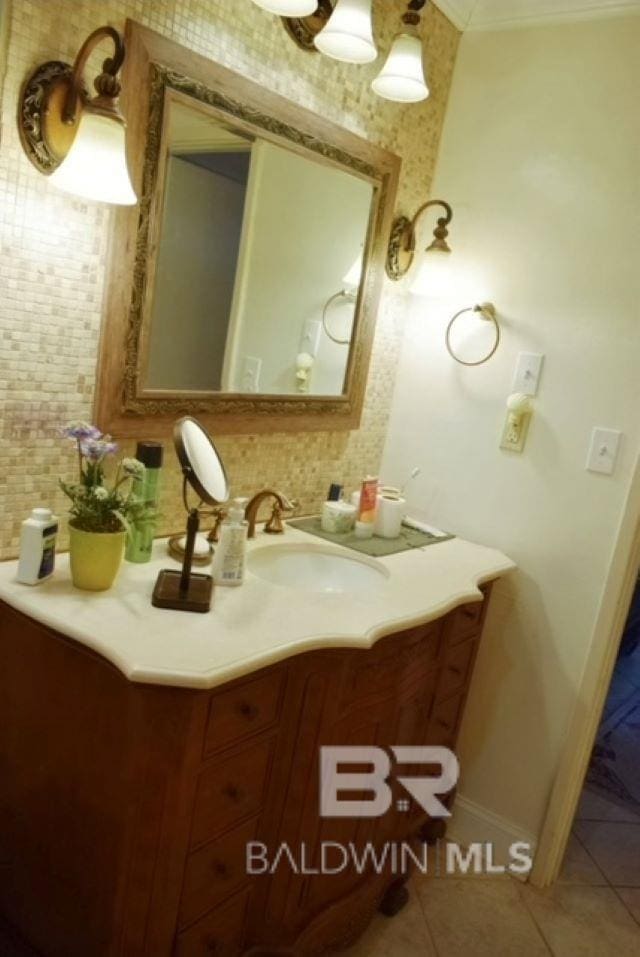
column 53, row 247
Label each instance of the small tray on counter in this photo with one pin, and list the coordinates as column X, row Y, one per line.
column 374, row 547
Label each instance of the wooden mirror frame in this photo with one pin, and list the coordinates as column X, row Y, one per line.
column 122, row 407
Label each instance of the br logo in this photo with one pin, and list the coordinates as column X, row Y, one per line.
column 374, row 781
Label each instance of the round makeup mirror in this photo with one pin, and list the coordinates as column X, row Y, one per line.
column 201, row 464
column 203, row 470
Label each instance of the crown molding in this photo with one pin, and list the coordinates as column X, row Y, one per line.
column 455, row 11
column 621, row 9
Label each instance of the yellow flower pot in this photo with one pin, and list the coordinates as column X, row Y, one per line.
column 95, row 558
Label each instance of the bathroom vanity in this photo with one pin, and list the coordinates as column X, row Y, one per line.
column 142, row 749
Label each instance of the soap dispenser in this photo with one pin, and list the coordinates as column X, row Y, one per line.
column 230, row 553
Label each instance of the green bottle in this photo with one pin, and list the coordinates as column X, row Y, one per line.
column 147, row 489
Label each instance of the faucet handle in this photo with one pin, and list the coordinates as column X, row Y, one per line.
column 275, row 525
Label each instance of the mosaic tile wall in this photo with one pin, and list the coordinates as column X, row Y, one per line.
column 52, row 247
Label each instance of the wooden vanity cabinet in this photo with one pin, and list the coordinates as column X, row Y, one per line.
column 126, row 809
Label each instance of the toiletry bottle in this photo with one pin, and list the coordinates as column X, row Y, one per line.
column 230, row 552
column 147, row 490
column 37, row 547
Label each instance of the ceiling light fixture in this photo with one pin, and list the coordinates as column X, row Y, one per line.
column 78, row 142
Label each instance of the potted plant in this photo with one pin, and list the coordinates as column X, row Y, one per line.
column 100, row 514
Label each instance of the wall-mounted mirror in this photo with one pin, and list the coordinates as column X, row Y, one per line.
column 254, row 239
column 262, row 231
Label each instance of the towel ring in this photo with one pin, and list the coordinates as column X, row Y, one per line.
column 345, row 295
column 487, row 311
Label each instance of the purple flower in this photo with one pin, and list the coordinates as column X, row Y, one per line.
column 95, row 450
column 81, row 431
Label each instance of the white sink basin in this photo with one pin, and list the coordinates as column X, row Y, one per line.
column 318, row 568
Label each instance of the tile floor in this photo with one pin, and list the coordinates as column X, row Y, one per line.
column 592, row 911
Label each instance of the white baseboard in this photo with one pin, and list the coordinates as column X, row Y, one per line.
column 473, row 824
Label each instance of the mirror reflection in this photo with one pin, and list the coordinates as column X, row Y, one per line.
column 258, row 263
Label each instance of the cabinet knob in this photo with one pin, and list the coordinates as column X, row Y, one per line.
column 220, row 868
column 211, row 945
column 248, row 710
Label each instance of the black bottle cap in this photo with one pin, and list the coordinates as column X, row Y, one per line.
column 150, row 454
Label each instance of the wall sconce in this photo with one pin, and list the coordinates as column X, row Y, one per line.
column 78, row 142
column 343, row 29
column 402, row 77
column 348, row 34
column 402, row 247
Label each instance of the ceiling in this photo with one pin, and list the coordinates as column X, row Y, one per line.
column 502, row 14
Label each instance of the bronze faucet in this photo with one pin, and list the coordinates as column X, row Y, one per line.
column 274, row 526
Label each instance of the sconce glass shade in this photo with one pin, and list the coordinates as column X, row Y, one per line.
column 288, row 8
column 402, row 76
column 433, row 275
column 351, row 279
column 348, row 34
column 96, row 165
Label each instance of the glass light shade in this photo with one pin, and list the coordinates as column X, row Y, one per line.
column 433, row 275
column 351, row 280
column 96, row 165
column 402, row 76
column 348, row 34
column 288, row 8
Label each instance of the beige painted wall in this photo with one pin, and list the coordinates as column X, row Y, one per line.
column 53, row 247
column 306, row 222
column 540, row 159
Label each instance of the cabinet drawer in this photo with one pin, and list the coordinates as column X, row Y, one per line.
column 215, row 871
column 231, row 790
column 444, row 721
column 219, row 934
column 393, row 662
column 456, row 668
column 465, row 621
column 243, row 710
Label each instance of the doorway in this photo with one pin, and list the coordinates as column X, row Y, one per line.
column 605, row 841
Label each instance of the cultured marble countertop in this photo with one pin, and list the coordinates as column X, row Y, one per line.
column 255, row 624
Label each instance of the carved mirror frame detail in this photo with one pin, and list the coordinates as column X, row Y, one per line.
column 228, row 412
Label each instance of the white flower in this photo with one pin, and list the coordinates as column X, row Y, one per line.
column 133, row 467
column 100, row 492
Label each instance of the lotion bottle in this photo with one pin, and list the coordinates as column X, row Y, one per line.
column 231, row 551
column 37, row 547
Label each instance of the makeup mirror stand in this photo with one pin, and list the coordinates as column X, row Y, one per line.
column 204, row 472
column 185, row 590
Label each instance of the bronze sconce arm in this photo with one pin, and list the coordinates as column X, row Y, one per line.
column 54, row 97
column 402, row 243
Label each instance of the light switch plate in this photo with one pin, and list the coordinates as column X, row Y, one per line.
column 528, row 371
column 603, row 451
column 310, row 338
column 251, row 369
